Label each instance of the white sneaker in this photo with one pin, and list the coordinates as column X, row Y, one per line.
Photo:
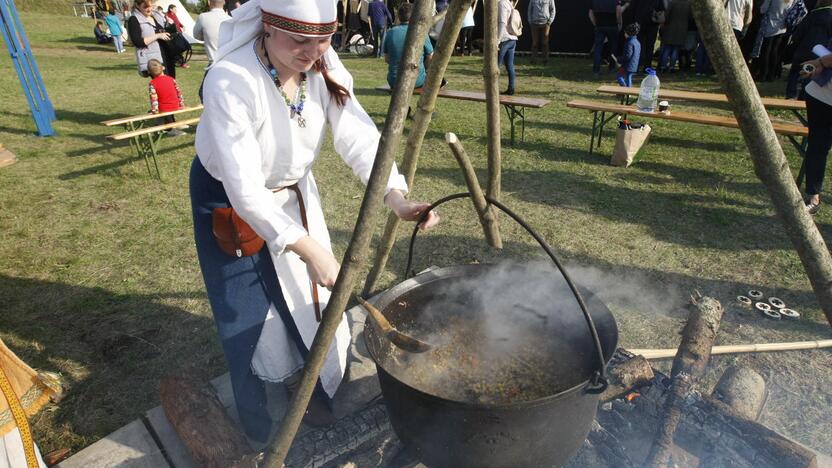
column 183, row 127
column 176, row 132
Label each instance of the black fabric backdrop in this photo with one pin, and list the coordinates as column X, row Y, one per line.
column 571, row 31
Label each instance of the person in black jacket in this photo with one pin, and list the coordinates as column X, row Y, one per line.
column 815, row 28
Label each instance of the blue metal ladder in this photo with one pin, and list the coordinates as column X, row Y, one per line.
column 27, row 70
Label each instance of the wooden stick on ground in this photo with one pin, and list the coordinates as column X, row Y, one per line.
column 454, row 15
column 732, row 349
column 486, row 215
column 359, row 244
column 767, row 155
column 689, row 364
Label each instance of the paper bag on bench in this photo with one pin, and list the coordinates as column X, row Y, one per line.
column 628, row 140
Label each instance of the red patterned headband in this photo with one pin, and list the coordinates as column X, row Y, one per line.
column 299, row 27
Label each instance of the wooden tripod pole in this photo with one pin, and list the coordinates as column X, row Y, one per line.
column 359, row 244
column 491, row 73
column 436, row 70
column 770, row 163
column 735, row 349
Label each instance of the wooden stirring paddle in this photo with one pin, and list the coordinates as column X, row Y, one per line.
column 405, row 342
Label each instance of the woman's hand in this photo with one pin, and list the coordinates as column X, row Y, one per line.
column 163, row 36
column 321, row 265
column 410, row 211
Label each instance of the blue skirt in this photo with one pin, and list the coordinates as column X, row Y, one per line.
column 240, row 291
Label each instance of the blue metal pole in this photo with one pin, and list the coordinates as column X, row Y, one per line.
column 27, row 71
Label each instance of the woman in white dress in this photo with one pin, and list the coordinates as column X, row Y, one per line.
column 275, row 86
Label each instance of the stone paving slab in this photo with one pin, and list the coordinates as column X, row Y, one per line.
column 168, row 438
column 132, row 446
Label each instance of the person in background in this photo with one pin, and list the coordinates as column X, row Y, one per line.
column 172, row 18
column 207, row 27
column 541, row 14
column 394, row 48
column 674, row 33
column 165, row 95
column 813, row 29
column 819, row 115
column 773, row 30
column 126, row 13
column 740, row 13
column 380, row 18
column 101, row 35
column 114, row 25
column 630, row 55
column 441, row 5
column 464, row 43
column 606, row 17
column 507, row 43
column 146, row 28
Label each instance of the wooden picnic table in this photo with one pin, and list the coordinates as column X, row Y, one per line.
column 693, row 96
column 515, row 106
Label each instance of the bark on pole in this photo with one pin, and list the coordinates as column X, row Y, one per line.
column 491, row 73
column 454, row 15
column 359, row 244
column 770, row 163
column 486, row 215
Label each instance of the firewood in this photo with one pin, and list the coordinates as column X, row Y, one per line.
column 689, row 364
column 626, row 377
column 211, row 437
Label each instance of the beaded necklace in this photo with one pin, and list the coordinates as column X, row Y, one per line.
column 300, row 94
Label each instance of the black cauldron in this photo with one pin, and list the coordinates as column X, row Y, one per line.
column 447, row 429
column 450, row 432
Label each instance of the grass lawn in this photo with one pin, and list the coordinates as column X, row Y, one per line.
column 99, row 278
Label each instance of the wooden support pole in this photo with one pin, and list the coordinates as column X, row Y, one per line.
column 743, row 348
column 689, row 364
column 486, row 215
column 770, row 163
column 491, row 73
column 454, row 15
column 358, row 248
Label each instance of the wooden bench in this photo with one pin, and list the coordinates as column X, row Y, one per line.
column 599, row 110
column 145, row 140
column 515, row 106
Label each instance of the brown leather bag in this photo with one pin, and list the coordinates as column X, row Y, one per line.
column 234, row 236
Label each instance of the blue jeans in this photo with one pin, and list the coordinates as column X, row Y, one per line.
column 506, row 56
column 703, row 62
column 626, row 79
column 610, row 33
column 668, row 57
column 117, row 41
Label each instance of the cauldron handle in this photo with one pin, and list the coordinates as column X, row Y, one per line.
column 598, row 382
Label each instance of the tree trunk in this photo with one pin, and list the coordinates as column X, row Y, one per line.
column 689, row 364
column 491, row 73
column 424, row 110
column 485, row 214
column 359, row 244
column 770, row 163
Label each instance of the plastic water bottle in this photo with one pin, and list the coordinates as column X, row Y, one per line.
column 648, row 94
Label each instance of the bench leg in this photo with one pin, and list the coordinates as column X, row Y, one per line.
column 801, row 149
column 511, row 113
column 592, row 133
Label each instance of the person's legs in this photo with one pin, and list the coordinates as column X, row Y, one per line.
column 664, row 56
column 820, row 141
column 509, row 61
column 597, row 48
column 647, row 38
column 466, row 40
column 612, row 40
column 536, row 33
column 791, row 81
column 545, row 40
column 761, row 63
column 774, row 65
column 117, row 42
column 674, row 57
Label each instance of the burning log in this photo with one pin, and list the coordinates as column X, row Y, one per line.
column 689, row 364
column 626, row 377
column 203, row 425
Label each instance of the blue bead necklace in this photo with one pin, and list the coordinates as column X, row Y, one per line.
column 296, row 108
